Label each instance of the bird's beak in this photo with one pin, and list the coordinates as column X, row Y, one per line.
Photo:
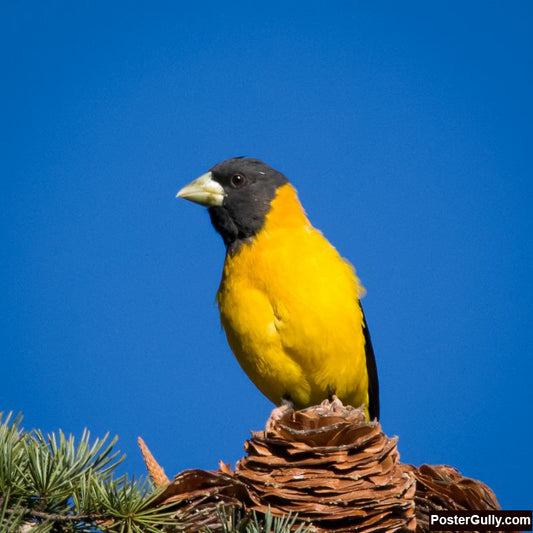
column 204, row 191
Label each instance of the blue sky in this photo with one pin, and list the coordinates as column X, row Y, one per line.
column 407, row 131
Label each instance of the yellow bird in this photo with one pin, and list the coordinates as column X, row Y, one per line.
column 289, row 303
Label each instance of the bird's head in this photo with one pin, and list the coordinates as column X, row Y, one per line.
column 238, row 193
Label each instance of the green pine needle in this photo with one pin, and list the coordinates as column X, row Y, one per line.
column 235, row 521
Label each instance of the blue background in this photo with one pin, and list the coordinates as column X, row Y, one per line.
column 406, row 129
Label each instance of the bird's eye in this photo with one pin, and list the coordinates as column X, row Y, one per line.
column 237, row 180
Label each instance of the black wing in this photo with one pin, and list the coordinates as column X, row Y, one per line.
column 372, row 371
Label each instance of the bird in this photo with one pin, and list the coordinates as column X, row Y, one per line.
column 289, row 303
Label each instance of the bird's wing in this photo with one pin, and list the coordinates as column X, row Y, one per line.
column 372, row 371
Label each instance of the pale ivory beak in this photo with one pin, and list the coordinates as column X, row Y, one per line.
column 204, row 191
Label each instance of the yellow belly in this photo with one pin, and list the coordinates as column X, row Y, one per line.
column 289, row 306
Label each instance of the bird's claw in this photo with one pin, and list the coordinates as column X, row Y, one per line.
column 332, row 405
column 277, row 414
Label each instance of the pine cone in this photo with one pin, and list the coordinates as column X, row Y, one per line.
column 333, row 468
column 197, row 495
column 443, row 488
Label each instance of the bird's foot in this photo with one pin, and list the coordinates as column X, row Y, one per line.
column 277, row 414
column 336, row 404
column 332, row 405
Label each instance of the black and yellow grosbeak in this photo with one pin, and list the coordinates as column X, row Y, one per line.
column 289, row 303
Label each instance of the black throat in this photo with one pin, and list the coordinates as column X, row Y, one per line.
column 233, row 235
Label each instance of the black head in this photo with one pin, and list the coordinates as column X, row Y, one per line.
column 238, row 193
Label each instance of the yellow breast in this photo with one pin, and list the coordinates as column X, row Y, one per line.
column 289, row 305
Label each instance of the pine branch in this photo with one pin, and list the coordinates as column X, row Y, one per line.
column 55, row 483
column 27, row 512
